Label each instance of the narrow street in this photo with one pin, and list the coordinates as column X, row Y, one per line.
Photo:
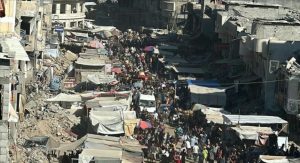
column 151, row 81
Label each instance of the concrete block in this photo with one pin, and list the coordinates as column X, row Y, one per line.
column 3, row 143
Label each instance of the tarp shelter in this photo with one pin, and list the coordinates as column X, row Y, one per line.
column 110, row 122
column 211, row 96
column 95, row 61
column 252, row 119
column 214, row 115
column 112, row 105
column 107, row 122
column 78, row 34
column 278, row 159
column 103, row 28
column 62, row 97
column 188, row 70
column 101, row 79
column 251, row 132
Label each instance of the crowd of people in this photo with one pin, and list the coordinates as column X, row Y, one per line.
column 194, row 139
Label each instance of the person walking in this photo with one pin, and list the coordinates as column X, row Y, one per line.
column 205, row 154
column 195, row 151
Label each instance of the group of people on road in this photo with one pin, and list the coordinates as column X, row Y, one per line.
column 194, row 139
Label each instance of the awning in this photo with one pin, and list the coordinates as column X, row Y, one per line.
column 107, row 122
column 91, row 61
column 251, row 132
column 188, row 70
column 78, row 34
column 100, row 155
column 214, row 115
column 90, row 4
column 101, row 79
column 208, row 95
column 252, row 119
column 14, row 45
column 103, row 28
column 62, row 97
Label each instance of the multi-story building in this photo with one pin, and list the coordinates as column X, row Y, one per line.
column 69, row 13
column 34, row 25
column 13, row 68
column 264, row 36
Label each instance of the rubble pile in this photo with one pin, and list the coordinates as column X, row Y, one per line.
column 61, row 63
column 44, row 119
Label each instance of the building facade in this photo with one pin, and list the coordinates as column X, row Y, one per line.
column 69, row 13
column 13, row 68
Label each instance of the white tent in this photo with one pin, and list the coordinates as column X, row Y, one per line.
column 251, row 132
column 110, row 122
column 101, row 78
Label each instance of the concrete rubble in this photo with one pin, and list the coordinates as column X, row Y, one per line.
column 44, row 119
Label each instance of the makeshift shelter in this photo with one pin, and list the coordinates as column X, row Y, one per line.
column 188, row 70
column 110, row 122
column 251, row 132
column 62, row 97
column 103, row 149
column 95, row 61
column 207, row 95
column 101, row 78
column 214, row 115
column 111, row 105
column 107, row 122
column 255, row 120
column 252, row 119
column 103, row 28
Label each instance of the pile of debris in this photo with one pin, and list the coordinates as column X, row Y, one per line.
column 43, row 119
column 61, row 63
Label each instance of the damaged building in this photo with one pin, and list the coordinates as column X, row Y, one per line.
column 262, row 41
column 13, row 67
column 33, row 26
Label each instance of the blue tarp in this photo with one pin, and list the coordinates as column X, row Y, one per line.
column 204, row 83
column 55, row 83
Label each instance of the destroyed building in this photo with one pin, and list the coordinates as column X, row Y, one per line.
column 13, row 67
column 33, row 26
